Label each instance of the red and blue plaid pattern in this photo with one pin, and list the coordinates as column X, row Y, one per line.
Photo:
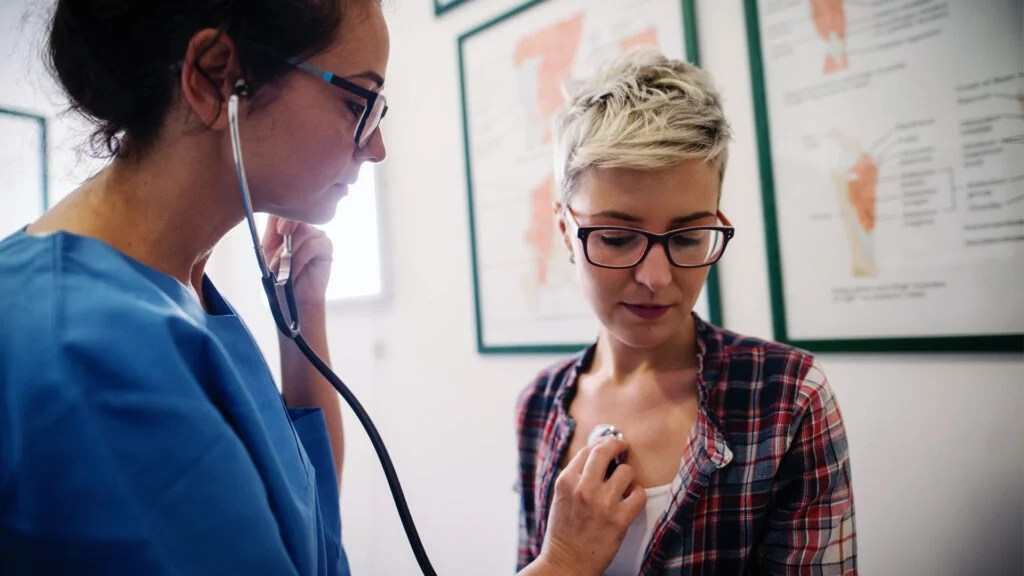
column 765, row 486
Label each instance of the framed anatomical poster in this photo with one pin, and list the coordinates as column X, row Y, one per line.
column 23, row 169
column 891, row 140
column 513, row 70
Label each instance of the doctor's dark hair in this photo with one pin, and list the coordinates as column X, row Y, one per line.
column 118, row 60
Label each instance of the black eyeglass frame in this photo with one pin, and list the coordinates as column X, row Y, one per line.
column 583, row 232
column 370, row 96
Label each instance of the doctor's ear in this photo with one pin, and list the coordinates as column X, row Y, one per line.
column 210, row 75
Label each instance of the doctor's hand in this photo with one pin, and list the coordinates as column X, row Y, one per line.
column 302, row 385
column 589, row 515
column 312, row 254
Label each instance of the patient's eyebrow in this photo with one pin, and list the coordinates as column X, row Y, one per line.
column 695, row 216
column 676, row 222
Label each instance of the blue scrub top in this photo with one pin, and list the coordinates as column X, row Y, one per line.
column 141, row 435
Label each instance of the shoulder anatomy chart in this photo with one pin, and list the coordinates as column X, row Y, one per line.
column 896, row 131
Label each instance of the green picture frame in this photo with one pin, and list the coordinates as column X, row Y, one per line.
column 937, row 343
column 492, row 37
column 442, row 6
column 18, row 126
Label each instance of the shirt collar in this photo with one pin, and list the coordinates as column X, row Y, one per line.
column 709, row 366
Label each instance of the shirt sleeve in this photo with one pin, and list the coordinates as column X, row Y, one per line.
column 531, row 412
column 810, row 529
column 311, row 428
column 524, row 483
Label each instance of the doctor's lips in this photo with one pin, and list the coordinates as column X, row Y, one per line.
column 647, row 311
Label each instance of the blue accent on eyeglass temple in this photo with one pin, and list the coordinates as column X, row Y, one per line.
column 324, row 74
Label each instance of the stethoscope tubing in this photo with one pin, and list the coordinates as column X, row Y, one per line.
column 296, row 336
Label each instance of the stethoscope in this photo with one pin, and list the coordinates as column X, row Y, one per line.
column 281, row 298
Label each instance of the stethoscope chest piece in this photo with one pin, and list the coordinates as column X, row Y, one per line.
column 601, row 431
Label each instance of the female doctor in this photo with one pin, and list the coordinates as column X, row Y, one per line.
column 140, row 429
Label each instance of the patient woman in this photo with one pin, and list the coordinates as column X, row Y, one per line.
column 738, row 442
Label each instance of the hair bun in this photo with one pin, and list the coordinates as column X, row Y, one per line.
column 114, row 58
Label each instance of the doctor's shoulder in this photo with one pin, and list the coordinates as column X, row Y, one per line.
column 76, row 309
column 114, row 455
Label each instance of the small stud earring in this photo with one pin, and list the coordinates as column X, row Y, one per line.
column 572, row 258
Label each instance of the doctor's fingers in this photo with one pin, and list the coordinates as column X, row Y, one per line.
column 316, row 247
column 601, row 457
column 277, row 228
column 631, row 506
column 301, row 235
column 285, row 226
column 633, row 497
column 615, row 489
column 271, row 239
column 270, row 229
column 575, row 466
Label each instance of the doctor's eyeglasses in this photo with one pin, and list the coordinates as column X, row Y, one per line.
column 622, row 247
column 372, row 113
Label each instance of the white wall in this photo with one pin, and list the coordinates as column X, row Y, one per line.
column 25, row 87
column 936, row 446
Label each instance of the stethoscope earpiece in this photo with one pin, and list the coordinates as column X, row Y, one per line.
column 241, row 87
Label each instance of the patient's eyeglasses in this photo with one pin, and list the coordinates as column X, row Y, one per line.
column 623, row 247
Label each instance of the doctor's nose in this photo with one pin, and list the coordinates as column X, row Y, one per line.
column 375, row 150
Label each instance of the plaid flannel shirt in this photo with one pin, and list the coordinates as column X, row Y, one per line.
column 765, row 484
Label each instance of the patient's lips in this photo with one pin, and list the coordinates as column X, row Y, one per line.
column 647, row 311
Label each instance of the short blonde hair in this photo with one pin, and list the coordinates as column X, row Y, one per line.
column 642, row 111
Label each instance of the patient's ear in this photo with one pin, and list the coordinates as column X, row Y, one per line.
column 562, row 227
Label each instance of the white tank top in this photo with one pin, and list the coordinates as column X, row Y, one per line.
column 631, row 553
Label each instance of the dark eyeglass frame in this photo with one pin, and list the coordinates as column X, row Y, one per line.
column 371, row 97
column 583, row 232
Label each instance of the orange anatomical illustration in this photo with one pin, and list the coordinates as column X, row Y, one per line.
column 855, row 180
column 830, row 21
column 862, row 186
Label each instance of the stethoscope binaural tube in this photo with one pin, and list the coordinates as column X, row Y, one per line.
column 276, row 284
